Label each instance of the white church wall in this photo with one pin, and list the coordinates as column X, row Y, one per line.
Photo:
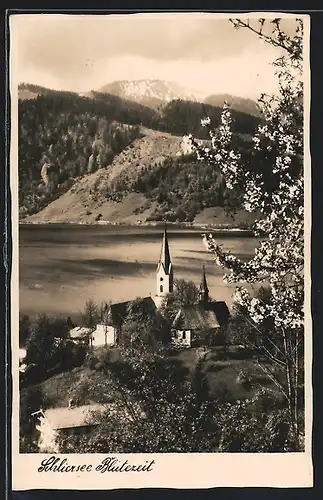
column 103, row 335
column 162, row 283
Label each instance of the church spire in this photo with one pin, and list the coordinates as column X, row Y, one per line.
column 203, row 290
column 164, row 275
column 165, row 259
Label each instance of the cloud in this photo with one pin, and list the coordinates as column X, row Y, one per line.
column 75, row 52
column 239, row 75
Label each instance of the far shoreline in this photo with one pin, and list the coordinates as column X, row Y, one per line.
column 227, row 229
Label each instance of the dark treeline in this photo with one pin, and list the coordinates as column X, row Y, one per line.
column 178, row 117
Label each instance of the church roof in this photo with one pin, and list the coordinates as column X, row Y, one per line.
column 200, row 316
column 80, row 332
column 165, row 259
column 120, row 310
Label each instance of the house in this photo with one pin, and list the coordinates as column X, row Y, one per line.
column 77, row 421
column 107, row 334
column 80, row 334
column 54, row 423
column 103, row 335
column 194, row 322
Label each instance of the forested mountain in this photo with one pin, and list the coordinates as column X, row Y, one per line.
column 177, row 117
column 237, row 103
column 30, row 91
column 64, row 136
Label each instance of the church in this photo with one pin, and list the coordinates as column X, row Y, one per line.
column 191, row 323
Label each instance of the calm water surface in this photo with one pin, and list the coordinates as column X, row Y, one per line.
column 60, row 267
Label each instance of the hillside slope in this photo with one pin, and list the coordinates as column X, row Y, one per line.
column 29, row 91
column 148, row 181
column 87, row 199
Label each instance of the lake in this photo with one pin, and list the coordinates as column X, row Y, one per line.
column 62, row 266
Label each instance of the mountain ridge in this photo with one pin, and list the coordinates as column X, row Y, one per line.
column 237, row 103
column 153, row 93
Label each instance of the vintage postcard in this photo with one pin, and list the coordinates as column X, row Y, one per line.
column 160, row 179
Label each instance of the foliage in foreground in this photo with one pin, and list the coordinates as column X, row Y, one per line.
column 272, row 180
column 158, row 407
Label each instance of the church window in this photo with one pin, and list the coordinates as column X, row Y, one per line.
column 161, row 279
column 161, row 288
column 184, row 335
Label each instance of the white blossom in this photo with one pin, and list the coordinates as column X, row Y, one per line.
column 205, row 121
column 278, row 259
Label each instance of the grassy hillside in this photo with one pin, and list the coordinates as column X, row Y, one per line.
column 86, row 385
column 87, row 199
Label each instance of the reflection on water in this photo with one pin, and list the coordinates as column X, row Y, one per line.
column 62, row 266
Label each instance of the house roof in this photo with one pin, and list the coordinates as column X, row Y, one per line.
column 79, row 332
column 65, row 418
column 119, row 311
column 200, row 316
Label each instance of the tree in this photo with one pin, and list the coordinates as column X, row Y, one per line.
column 185, row 294
column 143, row 325
column 90, row 314
column 271, row 180
column 41, row 348
column 48, row 346
column 156, row 407
column 31, row 400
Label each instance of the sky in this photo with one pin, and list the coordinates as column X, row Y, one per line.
column 200, row 52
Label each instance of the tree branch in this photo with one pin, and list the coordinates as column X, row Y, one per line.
column 273, row 378
column 238, row 23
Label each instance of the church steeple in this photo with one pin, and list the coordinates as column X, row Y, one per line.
column 164, row 275
column 165, row 259
column 203, row 290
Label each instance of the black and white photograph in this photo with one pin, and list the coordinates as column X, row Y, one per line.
column 161, row 172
